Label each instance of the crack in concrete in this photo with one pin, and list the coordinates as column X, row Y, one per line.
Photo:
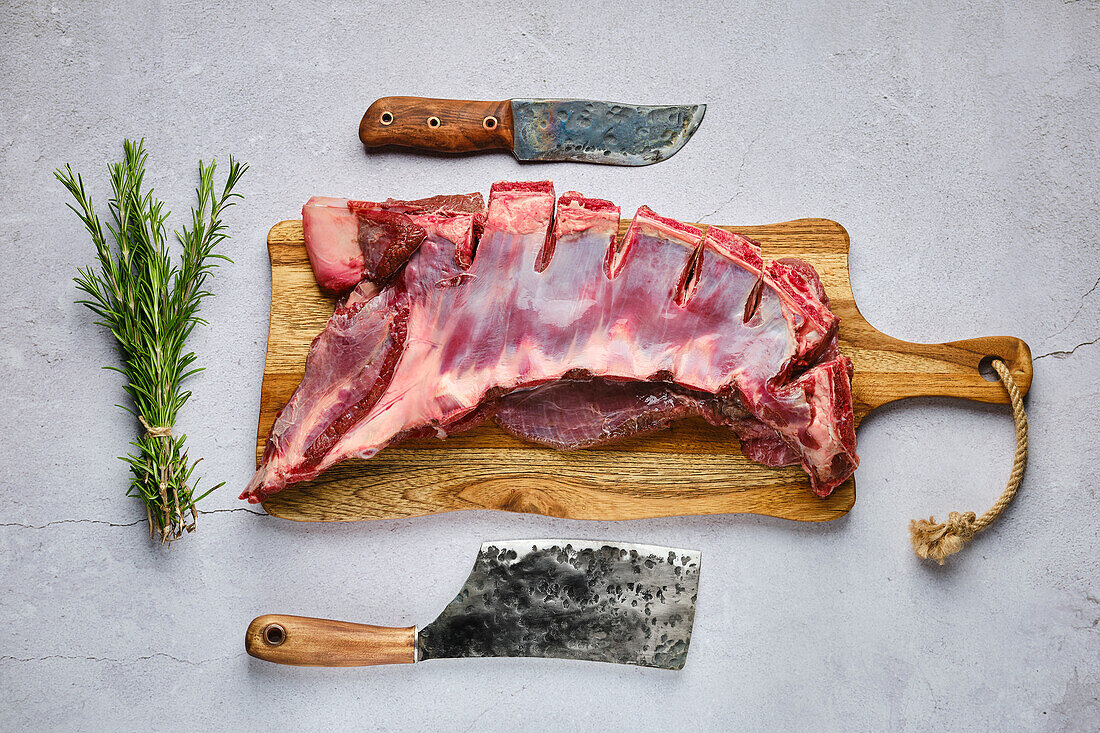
column 246, row 510
column 124, row 524
column 737, row 181
column 1080, row 307
column 495, row 704
column 72, row 521
column 1062, row 353
column 8, row 658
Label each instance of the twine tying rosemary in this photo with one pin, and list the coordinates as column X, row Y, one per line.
column 935, row 541
column 171, row 509
column 155, row 431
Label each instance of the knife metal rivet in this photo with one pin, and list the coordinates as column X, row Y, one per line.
column 489, row 123
column 274, row 634
column 386, row 118
column 433, row 122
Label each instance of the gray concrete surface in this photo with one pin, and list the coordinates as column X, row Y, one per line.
column 958, row 145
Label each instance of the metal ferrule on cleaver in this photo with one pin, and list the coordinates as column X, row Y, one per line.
column 579, row 130
column 569, row 599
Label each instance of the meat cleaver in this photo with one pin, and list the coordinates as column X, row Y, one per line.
column 570, row 599
column 579, row 130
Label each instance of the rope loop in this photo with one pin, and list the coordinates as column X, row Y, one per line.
column 934, row 540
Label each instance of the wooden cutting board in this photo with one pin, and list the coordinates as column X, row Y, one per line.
column 691, row 468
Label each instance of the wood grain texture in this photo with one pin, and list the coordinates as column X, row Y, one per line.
column 318, row 642
column 441, row 125
column 691, row 468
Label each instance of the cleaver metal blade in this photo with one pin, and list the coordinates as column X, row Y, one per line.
column 579, row 130
column 568, row 599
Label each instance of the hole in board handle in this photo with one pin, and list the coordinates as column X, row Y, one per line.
column 985, row 368
column 489, row 123
column 386, row 118
column 274, row 634
column 433, row 121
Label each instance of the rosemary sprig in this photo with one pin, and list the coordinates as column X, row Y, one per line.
column 151, row 306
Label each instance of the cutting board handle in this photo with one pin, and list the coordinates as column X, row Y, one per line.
column 442, row 125
column 945, row 370
column 318, row 642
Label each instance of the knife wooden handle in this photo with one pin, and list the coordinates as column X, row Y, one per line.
column 318, row 642
column 443, row 125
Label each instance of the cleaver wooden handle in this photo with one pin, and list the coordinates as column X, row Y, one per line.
column 442, row 125
column 318, row 642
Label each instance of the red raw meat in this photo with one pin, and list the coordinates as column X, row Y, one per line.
column 387, row 240
column 581, row 413
column 349, row 240
column 574, row 413
column 550, row 298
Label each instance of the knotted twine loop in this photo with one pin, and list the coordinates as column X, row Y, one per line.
column 935, row 541
column 156, row 431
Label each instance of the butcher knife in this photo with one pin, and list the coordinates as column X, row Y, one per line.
column 570, row 599
column 580, row 130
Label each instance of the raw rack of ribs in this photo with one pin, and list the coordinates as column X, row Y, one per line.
column 534, row 313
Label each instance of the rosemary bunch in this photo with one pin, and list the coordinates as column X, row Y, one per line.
column 151, row 306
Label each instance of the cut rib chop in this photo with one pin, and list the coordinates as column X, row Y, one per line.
column 350, row 240
column 459, row 335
